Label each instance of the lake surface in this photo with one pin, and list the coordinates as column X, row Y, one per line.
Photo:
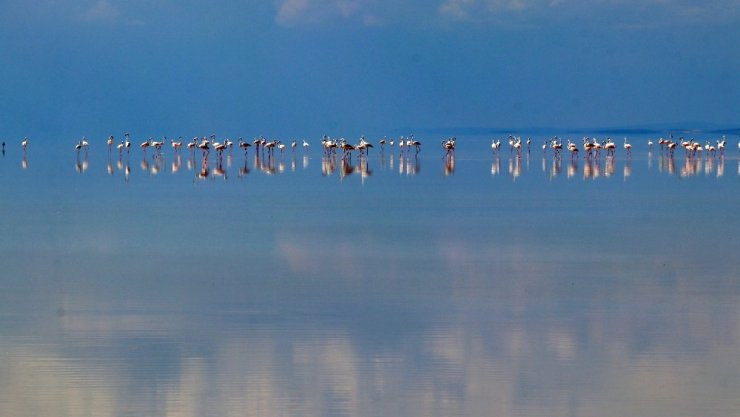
column 386, row 286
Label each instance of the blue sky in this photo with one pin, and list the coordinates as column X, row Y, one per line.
column 351, row 67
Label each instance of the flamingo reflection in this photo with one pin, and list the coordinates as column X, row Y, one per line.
column 449, row 164
column 176, row 163
column 496, row 166
column 572, row 168
column 627, row 170
column 81, row 165
column 556, row 167
column 244, row 169
column 515, row 167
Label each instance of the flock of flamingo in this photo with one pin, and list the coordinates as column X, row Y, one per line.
column 265, row 150
column 593, row 147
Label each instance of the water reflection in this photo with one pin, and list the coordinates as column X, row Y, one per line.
column 409, row 165
column 472, row 304
column 82, row 165
column 586, row 351
column 496, row 165
column 592, row 165
column 176, row 163
column 449, row 164
column 627, row 171
column 244, row 169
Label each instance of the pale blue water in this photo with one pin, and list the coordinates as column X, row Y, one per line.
column 499, row 286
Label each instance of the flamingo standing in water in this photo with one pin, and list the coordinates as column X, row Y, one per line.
column 573, row 148
column 415, row 143
column 176, row 144
column 671, row 146
column 127, row 143
column 244, row 145
column 219, row 147
column 557, row 146
column 204, row 146
column 610, row 147
column 493, row 146
column 24, row 144
column 305, row 145
column 449, row 146
column 721, row 146
column 110, row 142
column 627, row 147
column 281, row 146
column 193, row 144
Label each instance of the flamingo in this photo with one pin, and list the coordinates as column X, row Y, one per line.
column 110, row 142
column 157, row 144
column 721, row 146
column 144, row 145
column 382, row 143
column 610, row 147
column 269, row 146
column 415, row 143
column 244, row 145
column 557, row 146
column 257, row 142
column 346, row 149
column 627, row 147
column 176, row 144
column 710, row 149
column 193, row 144
column 24, row 144
column 588, row 146
column 671, row 146
column 662, row 142
column 305, row 145
column 518, row 146
column 597, row 147
column 650, row 145
column 219, row 147
column 449, row 146
column 204, row 145
column 127, row 143
column 573, row 148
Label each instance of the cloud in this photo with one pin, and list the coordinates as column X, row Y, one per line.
column 360, row 12
column 101, row 11
column 457, row 9
column 622, row 12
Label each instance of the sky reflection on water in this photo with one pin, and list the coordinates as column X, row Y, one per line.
column 407, row 288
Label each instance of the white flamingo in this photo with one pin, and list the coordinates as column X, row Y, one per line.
column 627, row 147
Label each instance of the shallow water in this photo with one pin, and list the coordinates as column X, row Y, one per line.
column 392, row 286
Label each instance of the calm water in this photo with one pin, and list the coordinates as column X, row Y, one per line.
column 417, row 286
